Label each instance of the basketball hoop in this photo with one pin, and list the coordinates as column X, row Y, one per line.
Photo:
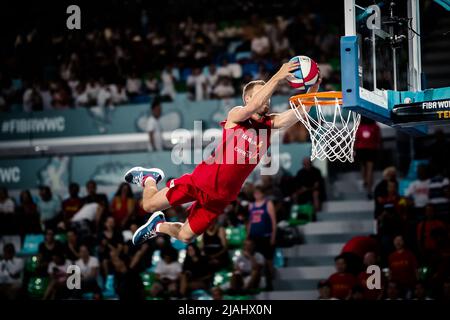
column 331, row 138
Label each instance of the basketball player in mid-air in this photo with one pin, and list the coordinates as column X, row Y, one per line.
column 216, row 181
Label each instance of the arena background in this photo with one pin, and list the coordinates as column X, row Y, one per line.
column 75, row 106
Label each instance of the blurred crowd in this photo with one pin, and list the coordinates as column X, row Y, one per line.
column 412, row 243
column 112, row 63
column 94, row 233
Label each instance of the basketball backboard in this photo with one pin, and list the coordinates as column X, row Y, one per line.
column 382, row 68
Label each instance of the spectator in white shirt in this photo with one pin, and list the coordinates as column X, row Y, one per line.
column 154, row 128
column 134, row 84
column 57, row 269
column 196, row 83
column 6, row 203
column 104, row 97
column 224, row 88
column 168, row 77
column 224, row 70
column 81, row 96
column 118, row 94
column 168, row 271
column 49, row 207
column 260, row 45
column 247, row 268
column 211, row 79
column 92, row 89
column 11, row 269
column 89, row 267
column 418, row 190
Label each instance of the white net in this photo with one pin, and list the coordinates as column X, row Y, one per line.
column 331, row 138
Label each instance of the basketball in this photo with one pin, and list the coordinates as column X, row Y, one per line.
column 306, row 76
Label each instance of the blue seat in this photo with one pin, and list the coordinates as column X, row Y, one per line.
column 31, row 244
column 278, row 261
column 177, row 244
column 412, row 172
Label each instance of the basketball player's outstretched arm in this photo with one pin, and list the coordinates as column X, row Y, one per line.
column 288, row 118
column 259, row 98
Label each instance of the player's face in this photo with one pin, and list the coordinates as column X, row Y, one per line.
column 265, row 108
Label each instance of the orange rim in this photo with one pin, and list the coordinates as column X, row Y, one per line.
column 327, row 98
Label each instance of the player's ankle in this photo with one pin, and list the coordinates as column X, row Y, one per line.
column 148, row 178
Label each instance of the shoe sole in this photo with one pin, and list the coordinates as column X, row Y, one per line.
column 153, row 216
column 159, row 171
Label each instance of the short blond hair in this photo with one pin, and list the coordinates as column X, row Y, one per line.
column 248, row 88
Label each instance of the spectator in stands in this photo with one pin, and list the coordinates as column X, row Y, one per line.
column 72, row 204
column 403, row 266
column 418, row 191
column 370, row 259
column 109, row 237
column 7, row 204
column 224, row 88
column 152, row 85
column 262, row 229
column 11, row 268
column 93, row 196
column 438, row 194
column 168, row 77
column 140, row 257
column 49, row 207
column 28, row 214
column 32, row 99
column 168, row 271
column 118, row 94
column 426, row 231
column 217, row 293
column 196, row 84
column 133, row 85
column 57, row 269
column 310, row 187
column 260, row 44
column 420, row 291
column 154, row 127
column 92, row 89
column 196, row 274
column 324, row 288
column 81, row 96
column 128, row 283
column 89, row 267
column 354, row 251
column 211, row 79
column 104, row 97
column 367, row 143
column 71, row 247
column 123, row 205
column 215, row 247
column 248, row 269
column 341, row 282
column 381, row 189
column 393, row 291
column 49, row 248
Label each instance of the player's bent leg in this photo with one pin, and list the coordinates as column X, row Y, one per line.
column 154, row 200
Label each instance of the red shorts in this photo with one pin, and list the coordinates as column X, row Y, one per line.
column 205, row 209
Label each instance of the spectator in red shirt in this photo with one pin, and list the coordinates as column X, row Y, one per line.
column 370, row 258
column 403, row 265
column 123, row 204
column 393, row 291
column 354, row 251
column 368, row 141
column 341, row 282
column 71, row 205
column 426, row 231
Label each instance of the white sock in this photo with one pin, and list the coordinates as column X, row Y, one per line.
column 157, row 226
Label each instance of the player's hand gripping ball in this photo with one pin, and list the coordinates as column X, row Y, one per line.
column 305, row 76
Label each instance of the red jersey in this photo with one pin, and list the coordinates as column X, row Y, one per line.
column 222, row 175
column 341, row 284
column 403, row 267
